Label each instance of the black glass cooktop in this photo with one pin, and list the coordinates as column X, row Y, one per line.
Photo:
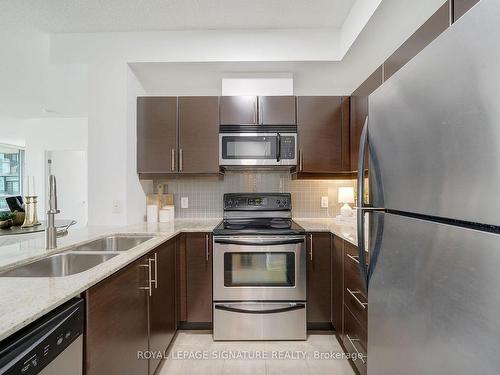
column 260, row 226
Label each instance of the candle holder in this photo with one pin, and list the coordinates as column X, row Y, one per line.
column 30, row 212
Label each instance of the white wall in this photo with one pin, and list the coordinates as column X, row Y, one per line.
column 41, row 135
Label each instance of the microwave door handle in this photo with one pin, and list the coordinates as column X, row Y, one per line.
column 258, row 243
column 291, row 307
column 278, row 147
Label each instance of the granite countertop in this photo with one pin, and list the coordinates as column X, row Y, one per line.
column 344, row 230
column 25, row 299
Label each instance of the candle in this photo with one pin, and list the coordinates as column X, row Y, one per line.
column 34, row 189
column 28, row 190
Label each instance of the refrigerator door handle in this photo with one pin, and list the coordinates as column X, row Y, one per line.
column 360, row 212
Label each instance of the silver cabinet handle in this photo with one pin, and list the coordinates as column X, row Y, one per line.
column 301, row 160
column 148, row 288
column 207, row 237
column 352, row 341
column 353, row 294
column 311, row 239
column 180, row 160
column 353, row 257
column 155, row 280
column 172, row 160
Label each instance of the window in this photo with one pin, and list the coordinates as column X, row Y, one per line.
column 11, row 165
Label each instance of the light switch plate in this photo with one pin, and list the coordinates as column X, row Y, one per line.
column 184, row 202
column 116, row 207
column 324, row 202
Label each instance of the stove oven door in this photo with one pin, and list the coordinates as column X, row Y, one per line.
column 268, row 268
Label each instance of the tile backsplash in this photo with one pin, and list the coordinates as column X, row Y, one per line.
column 205, row 195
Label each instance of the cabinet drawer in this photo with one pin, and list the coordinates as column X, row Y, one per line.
column 357, row 303
column 355, row 339
column 352, row 276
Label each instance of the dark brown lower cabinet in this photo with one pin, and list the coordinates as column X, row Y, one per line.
column 199, row 277
column 162, row 320
column 337, row 283
column 117, row 323
column 318, row 279
column 129, row 313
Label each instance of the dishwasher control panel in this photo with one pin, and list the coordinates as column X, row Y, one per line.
column 28, row 351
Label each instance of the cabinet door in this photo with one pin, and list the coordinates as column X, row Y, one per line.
column 117, row 323
column 319, row 127
column 359, row 111
column 238, row 110
column 337, row 283
column 199, row 134
column 319, row 278
column 277, row 110
column 156, row 134
column 162, row 322
column 199, row 277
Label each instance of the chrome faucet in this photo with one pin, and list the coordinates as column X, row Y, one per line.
column 52, row 232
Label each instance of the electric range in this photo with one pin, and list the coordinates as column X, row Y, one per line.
column 259, row 270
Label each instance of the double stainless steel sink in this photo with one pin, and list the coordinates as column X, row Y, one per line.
column 78, row 258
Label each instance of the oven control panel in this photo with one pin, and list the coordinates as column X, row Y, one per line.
column 258, row 202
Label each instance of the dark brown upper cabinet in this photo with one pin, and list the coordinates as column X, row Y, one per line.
column 359, row 111
column 323, row 132
column 425, row 34
column 277, row 110
column 199, row 134
column 238, row 110
column 460, row 7
column 156, row 134
column 318, row 278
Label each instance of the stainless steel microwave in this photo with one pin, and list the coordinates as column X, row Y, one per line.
column 259, row 148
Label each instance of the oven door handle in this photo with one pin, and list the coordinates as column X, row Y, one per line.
column 291, row 307
column 259, row 243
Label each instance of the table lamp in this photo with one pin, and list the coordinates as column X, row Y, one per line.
column 346, row 196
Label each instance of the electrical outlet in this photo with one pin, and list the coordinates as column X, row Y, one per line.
column 324, row 202
column 184, row 202
column 116, row 208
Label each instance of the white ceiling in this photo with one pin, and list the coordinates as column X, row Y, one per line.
column 139, row 15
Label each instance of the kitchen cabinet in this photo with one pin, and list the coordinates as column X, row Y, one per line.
column 323, row 132
column 318, row 278
column 156, row 134
column 199, row 134
column 355, row 308
column 424, row 35
column 277, row 110
column 337, row 283
column 359, row 111
column 238, row 110
column 132, row 310
column 199, row 277
column 162, row 318
column 460, row 7
column 117, row 322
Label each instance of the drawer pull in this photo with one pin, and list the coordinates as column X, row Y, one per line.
column 355, row 258
column 353, row 294
column 360, row 355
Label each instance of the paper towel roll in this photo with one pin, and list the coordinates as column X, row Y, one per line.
column 152, row 213
column 167, row 214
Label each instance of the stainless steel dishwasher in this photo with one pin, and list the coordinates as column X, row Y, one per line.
column 51, row 345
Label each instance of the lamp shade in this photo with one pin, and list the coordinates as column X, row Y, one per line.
column 346, row 195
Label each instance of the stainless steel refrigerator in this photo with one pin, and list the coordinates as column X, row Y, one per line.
column 433, row 136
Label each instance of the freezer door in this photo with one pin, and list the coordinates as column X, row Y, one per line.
column 433, row 300
column 434, row 127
